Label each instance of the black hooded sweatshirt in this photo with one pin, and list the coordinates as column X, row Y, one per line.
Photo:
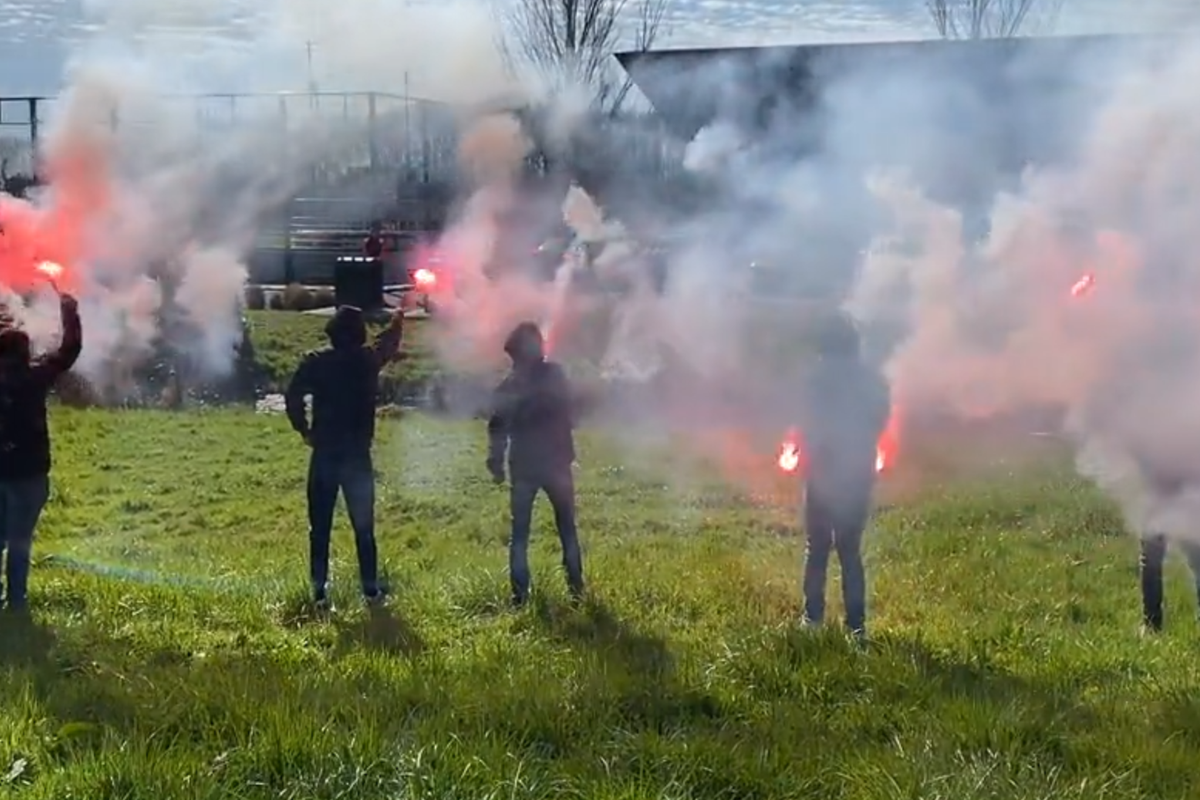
column 844, row 410
column 25, row 383
column 343, row 381
column 532, row 416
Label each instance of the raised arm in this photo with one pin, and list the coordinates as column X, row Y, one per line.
column 883, row 405
column 560, row 394
column 386, row 346
column 300, row 386
column 53, row 364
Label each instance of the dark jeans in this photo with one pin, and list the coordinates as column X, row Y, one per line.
column 836, row 525
column 353, row 474
column 21, row 504
column 560, row 489
column 1153, row 556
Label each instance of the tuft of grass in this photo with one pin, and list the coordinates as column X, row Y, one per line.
column 171, row 652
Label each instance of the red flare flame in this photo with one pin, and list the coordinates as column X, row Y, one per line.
column 791, row 453
column 1083, row 285
column 789, row 456
column 425, row 279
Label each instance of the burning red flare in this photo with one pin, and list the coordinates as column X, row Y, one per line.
column 888, row 446
column 428, row 263
column 51, row 269
column 425, row 279
column 1083, row 285
column 791, row 454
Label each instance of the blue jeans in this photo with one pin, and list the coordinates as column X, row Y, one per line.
column 560, row 490
column 353, row 474
column 1153, row 557
column 21, row 504
column 836, row 524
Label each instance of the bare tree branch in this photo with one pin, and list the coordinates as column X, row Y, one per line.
column 570, row 42
column 992, row 19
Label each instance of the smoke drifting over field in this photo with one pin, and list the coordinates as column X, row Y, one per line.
column 144, row 199
column 1003, row 252
column 1010, row 236
column 1013, row 237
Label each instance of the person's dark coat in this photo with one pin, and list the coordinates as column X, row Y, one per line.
column 845, row 408
column 531, row 413
column 25, row 382
column 343, row 381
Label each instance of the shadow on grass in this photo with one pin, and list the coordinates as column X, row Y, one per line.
column 24, row 641
column 595, row 627
column 815, row 696
column 379, row 629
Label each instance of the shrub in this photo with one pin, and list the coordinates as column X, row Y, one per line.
column 324, row 298
column 298, row 298
column 256, row 298
column 275, row 301
column 74, row 390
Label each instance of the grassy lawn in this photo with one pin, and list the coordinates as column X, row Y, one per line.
column 171, row 657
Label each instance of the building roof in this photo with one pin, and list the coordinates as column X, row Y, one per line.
column 689, row 87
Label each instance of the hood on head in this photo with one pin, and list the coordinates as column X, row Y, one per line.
column 347, row 327
column 525, row 345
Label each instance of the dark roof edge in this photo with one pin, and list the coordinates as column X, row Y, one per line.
column 627, row 56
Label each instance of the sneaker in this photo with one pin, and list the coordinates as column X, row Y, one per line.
column 321, row 602
column 519, row 600
column 375, row 598
column 16, row 607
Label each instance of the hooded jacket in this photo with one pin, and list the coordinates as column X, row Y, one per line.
column 25, row 383
column 531, row 413
column 844, row 410
column 343, row 381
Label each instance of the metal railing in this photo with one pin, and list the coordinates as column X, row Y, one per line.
column 396, row 130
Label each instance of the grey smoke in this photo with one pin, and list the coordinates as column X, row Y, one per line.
column 186, row 193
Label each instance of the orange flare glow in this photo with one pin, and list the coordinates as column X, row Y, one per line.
column 791, row 455
column 1083, row 285
column 425, row 278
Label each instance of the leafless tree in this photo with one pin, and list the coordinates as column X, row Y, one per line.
column 992, row 19
column 571, row 42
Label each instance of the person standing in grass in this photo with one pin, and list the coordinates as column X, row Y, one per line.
column 343, row 382
column 531, row 423
column 1153, row 557
column 1166, row 484
column 844, row 410
column 25, row 382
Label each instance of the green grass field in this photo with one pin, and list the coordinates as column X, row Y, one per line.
column 170, row 655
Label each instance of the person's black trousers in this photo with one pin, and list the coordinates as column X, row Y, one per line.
column 352, row 473
column 1153, row 557
column 836, row 524
column 559, row 487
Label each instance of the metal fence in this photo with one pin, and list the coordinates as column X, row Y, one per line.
column 372, row 130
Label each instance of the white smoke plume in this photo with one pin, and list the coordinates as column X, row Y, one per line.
column 147, row 199
column 1003, row 253
column 1082, row 296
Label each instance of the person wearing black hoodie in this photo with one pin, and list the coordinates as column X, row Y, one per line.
column 343, row 382
column 531, row 423
column 25, row 382
column 844, row 410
